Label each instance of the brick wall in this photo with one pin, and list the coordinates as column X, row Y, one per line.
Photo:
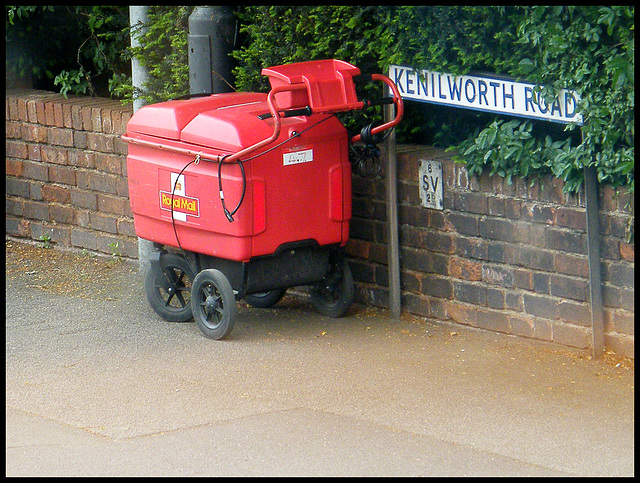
column 508, row 258
column 66, row 171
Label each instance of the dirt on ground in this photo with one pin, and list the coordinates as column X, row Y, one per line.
column 70, row 271
column 62, row 271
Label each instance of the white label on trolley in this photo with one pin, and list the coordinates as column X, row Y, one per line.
column 297, row 157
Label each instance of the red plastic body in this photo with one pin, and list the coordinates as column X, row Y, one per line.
column 297, row 188
column 296, row 185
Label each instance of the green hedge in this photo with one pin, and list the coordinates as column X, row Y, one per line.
column 588, row 49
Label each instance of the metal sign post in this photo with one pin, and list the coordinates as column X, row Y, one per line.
column 392, row 216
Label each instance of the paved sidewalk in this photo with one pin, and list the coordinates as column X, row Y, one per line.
column 97, row 384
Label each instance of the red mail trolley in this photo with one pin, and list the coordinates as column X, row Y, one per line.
column 247, row 194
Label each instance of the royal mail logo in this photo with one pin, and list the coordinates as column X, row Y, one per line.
column 181, row 204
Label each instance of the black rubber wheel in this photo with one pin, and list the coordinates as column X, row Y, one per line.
column 168, row 288
column 264, row 300
column 214, row 304
column 334, row 294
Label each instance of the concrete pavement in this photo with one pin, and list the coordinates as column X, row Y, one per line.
column 97, row 384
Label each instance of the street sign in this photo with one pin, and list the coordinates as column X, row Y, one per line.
column 487, row 93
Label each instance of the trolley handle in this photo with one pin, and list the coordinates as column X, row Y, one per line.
column 396, row 99
column 378, row 102
column 304, row 111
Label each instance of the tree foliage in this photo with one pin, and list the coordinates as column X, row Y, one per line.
column 590, row 50
column 81, row 49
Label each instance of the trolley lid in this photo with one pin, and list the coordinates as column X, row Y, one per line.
column 168, row 119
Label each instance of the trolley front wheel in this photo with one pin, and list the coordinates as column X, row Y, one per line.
column 168, row 288
column 214, row 304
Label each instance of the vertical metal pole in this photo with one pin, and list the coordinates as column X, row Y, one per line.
column 593, row 250
column 211, row 39
column 138, row 20
column 392, row 217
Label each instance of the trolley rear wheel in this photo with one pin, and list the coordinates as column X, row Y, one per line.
column 168, row 288
column 333, row 295
column 264, row 300
column 213, row 303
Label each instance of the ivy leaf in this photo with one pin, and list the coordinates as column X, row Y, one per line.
column 526, row 66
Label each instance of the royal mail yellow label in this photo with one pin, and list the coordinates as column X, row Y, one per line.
column 181, row 204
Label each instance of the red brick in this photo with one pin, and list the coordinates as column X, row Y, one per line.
column 465, row 269
column 41, row 117
column 49, row 114
column 61, row 214
column 109, row 163
column 36, row 210
column 38, row 171
column 62, row 174
column 22, row 109
column 13, row 130
column 86, row 113
column 96, row 119
column 67, row 116
column 34, row 133
column 81, row 159
column 100, row 142
column 627, row 251
column 14, row 167
column 571, row 218
column 84, row 199
column 56, row 194
column 60, row 137
column 102, row 222
column 35, row 153
column 568, row 264
column 57, row 114
column 126, row 227
column 461, row 313
column 357, row 248
column 13, row 108
column 119, row 120
column 76, row 117
column 55, row 155
column 107, row 124
column 16, row 149
column 112, row 204
column 608, row 200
